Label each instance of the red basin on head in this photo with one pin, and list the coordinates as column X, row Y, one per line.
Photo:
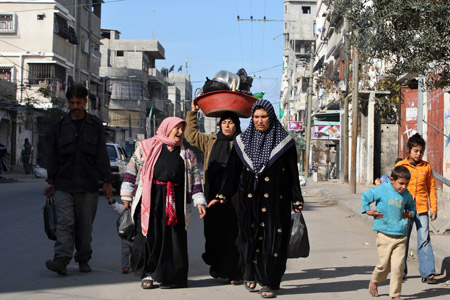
column 214, row 104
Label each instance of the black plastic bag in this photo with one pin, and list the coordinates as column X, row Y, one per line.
column 298, row 241
column 125, row 225
column 245, row 81
column 213, row 85
column 50, row 219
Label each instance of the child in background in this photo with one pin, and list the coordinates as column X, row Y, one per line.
column 422, row 188
column 127, row 246
column 385, row 177
column 394, row 203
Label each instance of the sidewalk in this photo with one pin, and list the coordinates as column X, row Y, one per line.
column 338, row 193
column 17, row 174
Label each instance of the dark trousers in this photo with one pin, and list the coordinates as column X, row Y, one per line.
column 26, row 164
column 75, row 214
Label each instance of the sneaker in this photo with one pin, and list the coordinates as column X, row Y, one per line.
column 56, row 266
column 83, row 266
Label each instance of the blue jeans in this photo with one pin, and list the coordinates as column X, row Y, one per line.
column 424, row 250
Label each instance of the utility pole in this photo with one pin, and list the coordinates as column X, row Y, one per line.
column 355, row 113
column 308, row 112
column 344, row 142
column 420, row 105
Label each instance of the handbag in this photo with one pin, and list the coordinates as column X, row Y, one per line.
column 50, row 219
column 125, row 225
column 298, row 240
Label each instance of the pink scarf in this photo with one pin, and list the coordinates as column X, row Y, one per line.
column 152, row 149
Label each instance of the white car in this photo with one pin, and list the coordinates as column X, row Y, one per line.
column 118, row 160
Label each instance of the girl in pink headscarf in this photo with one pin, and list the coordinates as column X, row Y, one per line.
column 161, row 182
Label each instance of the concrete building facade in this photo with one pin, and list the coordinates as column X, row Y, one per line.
column 45, row 46
column 182, row 82
column 137, row 87
column 298, row 31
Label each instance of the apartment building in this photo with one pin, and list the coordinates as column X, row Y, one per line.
column 47, row 45
column 182, row 103
column 44, row 47
column 137, row 87
column 299, row 39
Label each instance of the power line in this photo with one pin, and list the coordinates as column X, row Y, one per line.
column 266, row 69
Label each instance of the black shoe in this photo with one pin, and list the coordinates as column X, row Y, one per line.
column 83, row 266
column 56, row 266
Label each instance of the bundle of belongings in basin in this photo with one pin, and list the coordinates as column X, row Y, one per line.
column 224, row 80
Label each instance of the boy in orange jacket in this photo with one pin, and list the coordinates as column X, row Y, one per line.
column 422, row 188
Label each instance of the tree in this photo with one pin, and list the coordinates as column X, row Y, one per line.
column 413, row 36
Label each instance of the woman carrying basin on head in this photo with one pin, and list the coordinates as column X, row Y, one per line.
column 220, row 224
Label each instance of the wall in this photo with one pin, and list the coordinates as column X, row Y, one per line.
column 407, row 118
column 446, row 155
column 389, row 145
column 435, row 140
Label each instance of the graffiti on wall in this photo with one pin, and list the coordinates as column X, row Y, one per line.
column 446, row 140
column 409, row 132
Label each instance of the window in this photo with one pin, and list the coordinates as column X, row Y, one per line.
column 306, row 10
column 5, row 73
column 119, row 53
column 97, row 8
column 96, row 50
column 60, row 27
column 7, row 23
column 85, row 45
column 72, row 36
column 50, row 73
column 126, row 90
column 305, row 85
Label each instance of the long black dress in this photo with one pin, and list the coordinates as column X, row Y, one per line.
column 264, row 214
column 163, row 253
column 221, row 230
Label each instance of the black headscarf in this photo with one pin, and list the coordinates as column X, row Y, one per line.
column 219, row 155
column 259, row 150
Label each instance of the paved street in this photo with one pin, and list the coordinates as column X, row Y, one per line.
column 343, row 255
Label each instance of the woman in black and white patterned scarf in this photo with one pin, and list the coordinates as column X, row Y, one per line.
column 263, row 168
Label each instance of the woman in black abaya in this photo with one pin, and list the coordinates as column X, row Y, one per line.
column 263, row 168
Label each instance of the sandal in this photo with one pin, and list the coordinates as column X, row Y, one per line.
column 268, row 292
column 147, row 283
column 248, row 286
column 235, row 281
column 431, row 279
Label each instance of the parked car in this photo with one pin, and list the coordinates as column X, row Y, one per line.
column 118, row 159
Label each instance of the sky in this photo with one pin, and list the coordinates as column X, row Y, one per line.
column 208, row 34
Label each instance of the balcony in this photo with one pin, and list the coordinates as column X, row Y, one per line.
column 155, row 76
column 157, row 104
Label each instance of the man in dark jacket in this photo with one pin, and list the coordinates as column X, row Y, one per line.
column 78, row 159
